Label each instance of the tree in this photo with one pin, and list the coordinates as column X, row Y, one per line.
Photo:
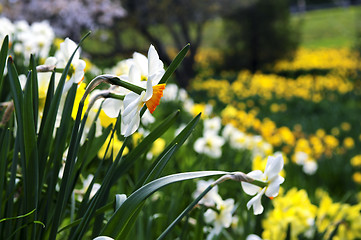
column 69, row 18
column 175, row 23
column 259, row 34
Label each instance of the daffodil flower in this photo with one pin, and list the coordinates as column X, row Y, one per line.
column 134, row 102
column 271, row 177
column 76, row 70
column 210, row 144
column 222, row 218
column 212, row 197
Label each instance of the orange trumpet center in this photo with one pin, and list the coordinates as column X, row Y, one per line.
column 153, row 102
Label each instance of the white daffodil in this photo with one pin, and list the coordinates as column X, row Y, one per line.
column 222, row 218
column 210, row 144
column 310, row 167
column 86, row 184
column 111, row 106
column 212, row 197
column 76, row 70
column 271, row 177
column 212, row 124
column 133, row 102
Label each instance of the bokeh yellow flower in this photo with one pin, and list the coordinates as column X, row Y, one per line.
column 293, row 208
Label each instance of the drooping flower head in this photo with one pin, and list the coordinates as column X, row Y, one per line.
column 271, row 177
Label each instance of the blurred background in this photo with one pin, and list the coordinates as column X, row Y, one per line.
column 247, row 34
column 284, row 72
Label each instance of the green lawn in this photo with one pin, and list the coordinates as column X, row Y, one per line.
column 336, row 27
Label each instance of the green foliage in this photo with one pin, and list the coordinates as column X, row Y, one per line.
column 258, row 34
column 326, row 27
column 35, row 202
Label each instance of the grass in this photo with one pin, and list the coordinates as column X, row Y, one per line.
column 326, row 28
column 337, row 27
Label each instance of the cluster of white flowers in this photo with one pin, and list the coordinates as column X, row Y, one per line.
column 211, row 143
column 26, row 39
column 240, row 140
column 220, row 212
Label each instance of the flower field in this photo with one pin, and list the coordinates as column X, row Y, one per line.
column 124, row 153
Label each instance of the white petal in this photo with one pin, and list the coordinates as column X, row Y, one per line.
column 255, row 202
column 199, row 145
column 132, row 126
column 80, row 64
column 209, row 216
column 229, row 204
column 253, row 237
column 50, row 61
column 142, row 63
column 226, row 219
column 274, row 166
column 67, row 48
column 155, row 78
column 154, row 63
column 112, row 107
column 78, row 76
column 149, row 92
column 274, row 187
column 103, row 238
column 134, row 74
column 249, row 188
column 130, row 102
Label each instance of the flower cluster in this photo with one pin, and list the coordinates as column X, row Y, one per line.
column 308, row 220
column 26, row 39
column 220, row 211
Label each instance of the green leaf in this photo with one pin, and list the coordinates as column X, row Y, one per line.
column 158, row 168
column 115, row 226
column 34, row 80
column 3, row 55
column 49, row 98
column 10, row 186
column 31, row 152
column 185, row 212
column 17, row 217
column 16, row 92
column 177, row 142
column 156, row 171
column 4, row 149
column 65, row 187
column 174, row 64
column 51, row 168
column 46, row 139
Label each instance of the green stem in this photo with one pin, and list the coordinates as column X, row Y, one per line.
column 186, row 211
column 97, row 212
column 116, row 96
column 235, row 176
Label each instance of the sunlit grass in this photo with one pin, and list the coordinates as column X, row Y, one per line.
column 335, row 27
